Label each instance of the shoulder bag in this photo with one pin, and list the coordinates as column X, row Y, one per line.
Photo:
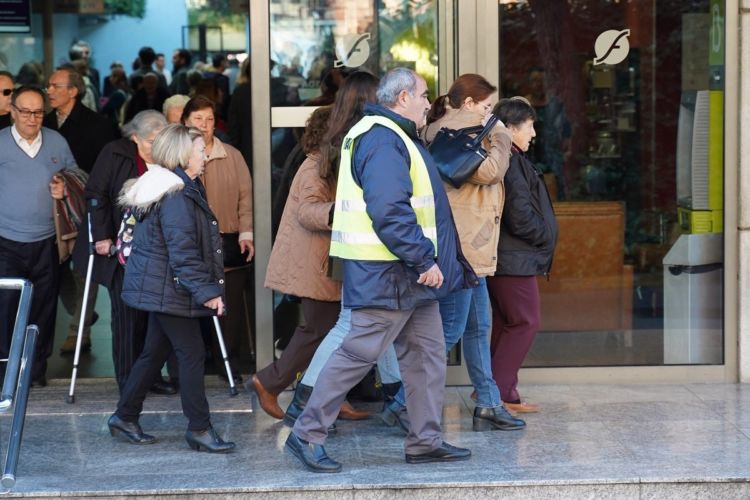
column 458, row 153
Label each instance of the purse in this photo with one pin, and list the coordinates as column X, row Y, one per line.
column 231, row 248
column 458, row 153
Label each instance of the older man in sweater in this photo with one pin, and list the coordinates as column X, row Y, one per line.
column 32, row 157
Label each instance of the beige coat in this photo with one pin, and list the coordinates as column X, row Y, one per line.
column 229, row 190
column 299, row 259
column 478, row 204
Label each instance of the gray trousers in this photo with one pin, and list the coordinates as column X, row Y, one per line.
column 417, row 335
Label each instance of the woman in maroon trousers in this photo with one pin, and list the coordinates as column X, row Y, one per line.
column 528, row 235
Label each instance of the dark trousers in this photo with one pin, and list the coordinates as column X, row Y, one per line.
column 39, row 263
column 320, row 317
column 516, row 314
column 72, row 286
column 234, row 324
column 165, row 333
column 128, row 330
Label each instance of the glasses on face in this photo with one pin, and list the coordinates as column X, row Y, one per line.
column 7, row 92
column 57, row 86
column 28, row 113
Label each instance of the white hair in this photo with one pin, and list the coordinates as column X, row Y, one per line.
column 175, row 101
column 395, row 81
column 144, row 124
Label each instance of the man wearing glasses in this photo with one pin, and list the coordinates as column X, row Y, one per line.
column 31, row 158
column 6, row 89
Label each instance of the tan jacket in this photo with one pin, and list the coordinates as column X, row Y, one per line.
column 229, row 189
column 478, row 204
column 299, row 259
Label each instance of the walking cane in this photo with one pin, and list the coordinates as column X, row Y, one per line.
column 220, row 336
column 82, row 319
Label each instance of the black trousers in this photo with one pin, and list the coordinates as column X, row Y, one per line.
column 128, row 330
column 39, row 263
column 166, row 332
column 234, row 324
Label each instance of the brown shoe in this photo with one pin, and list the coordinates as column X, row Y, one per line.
column 69, row 346
column 522, row 407
column 348, row 412
column 268, row 401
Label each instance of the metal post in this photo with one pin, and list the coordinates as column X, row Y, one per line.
column 19, row 413
column 16, row 343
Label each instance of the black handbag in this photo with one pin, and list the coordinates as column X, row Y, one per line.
column 233, row 257
column 458, row 153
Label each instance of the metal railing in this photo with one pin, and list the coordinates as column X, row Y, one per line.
column 17, row 380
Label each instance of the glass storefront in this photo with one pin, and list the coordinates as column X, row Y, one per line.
column 629, row 98
column 630, row 103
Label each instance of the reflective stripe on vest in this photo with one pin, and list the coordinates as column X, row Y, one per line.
column 352, row 235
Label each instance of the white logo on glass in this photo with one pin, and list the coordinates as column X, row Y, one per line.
column 352, row 50
column 612, row 47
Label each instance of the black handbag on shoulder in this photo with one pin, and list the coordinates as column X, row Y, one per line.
column 458, row 153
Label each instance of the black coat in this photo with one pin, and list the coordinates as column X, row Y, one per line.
column 115, row 165
column 86, row 131
column 529, row 229
column 176, row 263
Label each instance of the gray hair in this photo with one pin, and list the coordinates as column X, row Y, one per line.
column 75, row 80
column 144, row 124
column 393, row 83
column 176, row 101
column 76, row 51
column 174, row 145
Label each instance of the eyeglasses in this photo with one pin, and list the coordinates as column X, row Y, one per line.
column 7, row 92
column 57, row 86
column 27, row 113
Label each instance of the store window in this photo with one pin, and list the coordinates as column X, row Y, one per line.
column 630, row 105
column 314, row 45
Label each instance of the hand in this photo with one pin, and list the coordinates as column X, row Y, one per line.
column 57, row 187
column 217, row 305
column 103, row 246
column 433, row 277
column 247, row 246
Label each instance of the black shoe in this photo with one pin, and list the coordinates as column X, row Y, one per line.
column 164, row 388
column 208, row 440
column 294, row 410
column 496, row 419
column 39, row 382
column 131, row 431
column 394, row 414
column 312, row 456
column 446, row 453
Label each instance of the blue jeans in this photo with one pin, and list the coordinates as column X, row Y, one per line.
column 387, row 363
column 466, row 313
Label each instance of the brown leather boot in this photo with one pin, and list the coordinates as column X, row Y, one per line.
column 348, row 412
column 268, row 401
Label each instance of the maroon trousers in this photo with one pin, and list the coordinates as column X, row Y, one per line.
column 516, row 314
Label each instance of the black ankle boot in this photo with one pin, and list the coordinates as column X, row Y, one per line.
column 301, row 396
column 208, row 440
column 496, row 419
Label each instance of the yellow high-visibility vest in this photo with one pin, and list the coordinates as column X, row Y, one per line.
column 353, row 236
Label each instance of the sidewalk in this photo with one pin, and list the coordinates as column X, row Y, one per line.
column 594, row 441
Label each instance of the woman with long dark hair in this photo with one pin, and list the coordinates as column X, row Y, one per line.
column 299, row 263
column 525, row 250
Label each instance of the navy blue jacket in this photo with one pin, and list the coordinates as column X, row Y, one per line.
column 176, row 263
column 380, row 165
column 528, row 232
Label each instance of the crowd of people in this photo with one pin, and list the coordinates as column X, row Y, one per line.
column 393, row 266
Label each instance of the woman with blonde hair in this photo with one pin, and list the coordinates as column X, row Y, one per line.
column 175, row 272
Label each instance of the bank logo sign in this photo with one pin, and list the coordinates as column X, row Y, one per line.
column 352, row 50
column 612, row 47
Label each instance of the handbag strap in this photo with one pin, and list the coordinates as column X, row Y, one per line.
column 486, row 130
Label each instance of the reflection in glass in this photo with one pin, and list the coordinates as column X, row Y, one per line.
column 632, row 151
column 314, row 44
